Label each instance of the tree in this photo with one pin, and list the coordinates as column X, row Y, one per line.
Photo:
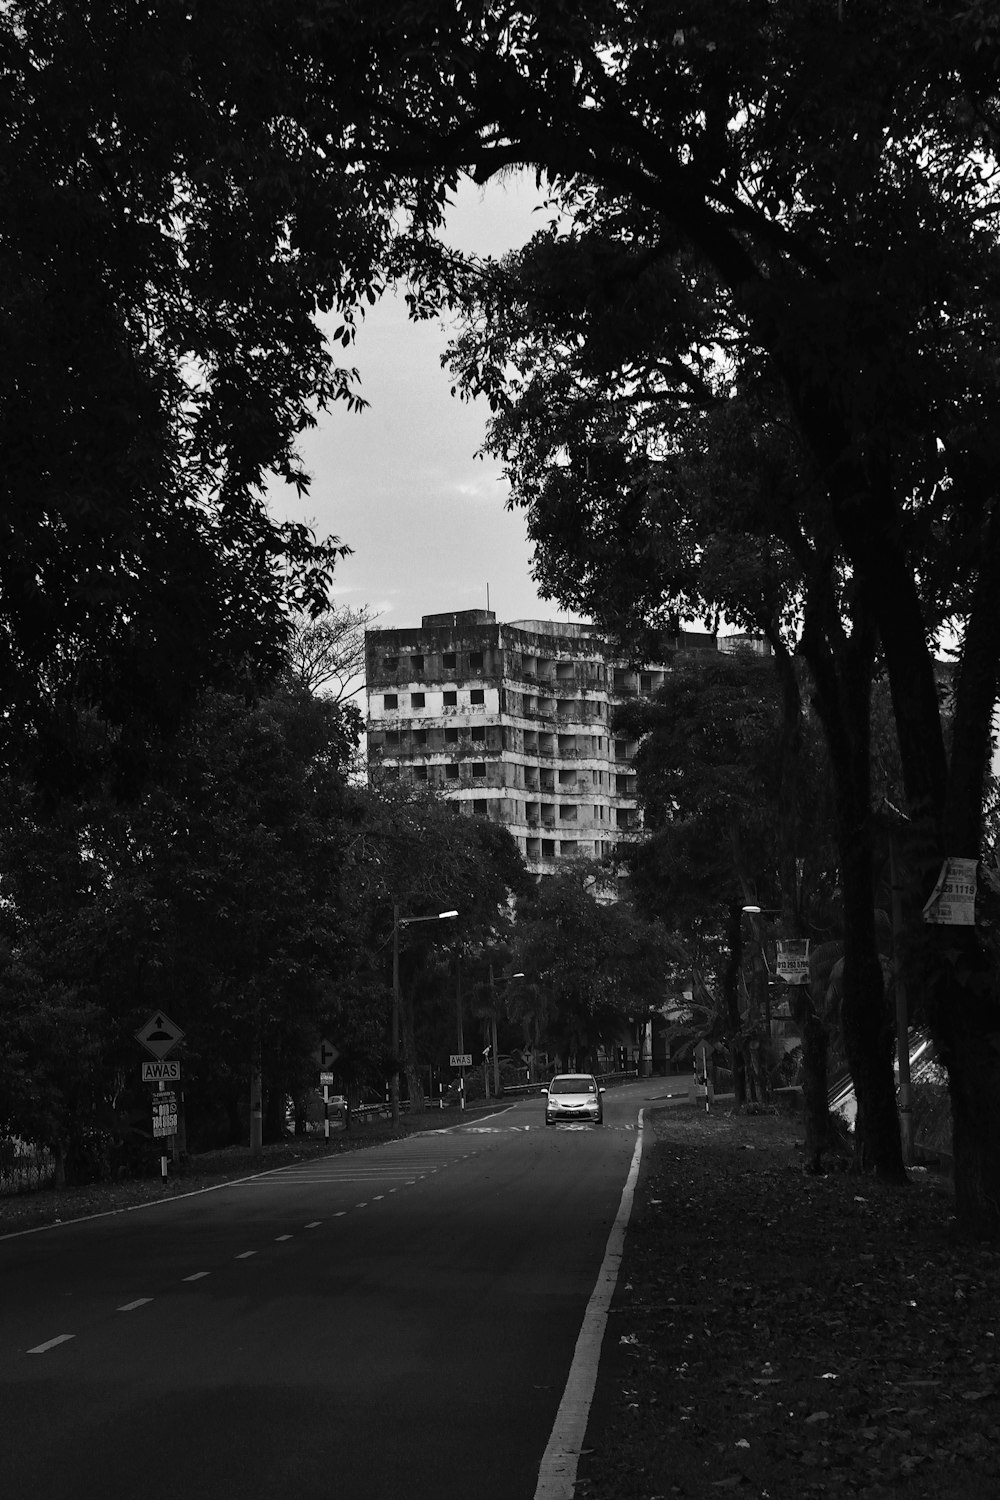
column 417, row 853
column 592, row 967
column 327, row 654
column 172, row 228
column 822, row 178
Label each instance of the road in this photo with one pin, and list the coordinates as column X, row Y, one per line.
column 395, row 1321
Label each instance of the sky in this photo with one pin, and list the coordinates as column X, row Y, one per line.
column 400, row 482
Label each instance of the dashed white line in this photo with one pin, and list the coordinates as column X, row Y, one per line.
column 340, row 1213
column 131, row 1306
column 315, row 1224
column 246, row 1254
column 279, row 1237
column 378, row 1197
column 196, row 1276
column 361, row 1205
column 60, row 1338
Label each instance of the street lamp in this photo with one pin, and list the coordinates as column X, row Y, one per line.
column 397, row 923
column 493, row 1024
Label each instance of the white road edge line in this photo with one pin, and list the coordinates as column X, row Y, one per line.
column 60, row 1338
column 131, row 1306
column 557, row 1471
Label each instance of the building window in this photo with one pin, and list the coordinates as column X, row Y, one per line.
column 449, row 661
column 477, row 696
column 420, row 736
column 567, row 812
column 451, row 700
column 418, row 700
column 480, row 806
column 420, row 773
column 451, row 772
column 475, row 661
column 451, row 736
column 479, row 768
column 392, row 737
column 548, row 848
column 645, row 682
column 390, row 663
column 479, row 731
column 390, row 701
column 417, row 665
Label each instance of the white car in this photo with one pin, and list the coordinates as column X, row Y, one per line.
column 573, row 1096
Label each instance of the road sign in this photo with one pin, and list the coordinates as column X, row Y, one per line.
column 326, row 1078
column 461, row 1059
column 326, row 1054
column 160, row 1035
column 161, row 1072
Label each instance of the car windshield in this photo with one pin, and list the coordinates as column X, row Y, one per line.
column 572, row 1086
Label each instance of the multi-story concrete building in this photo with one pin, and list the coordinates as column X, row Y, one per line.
column 515, row 722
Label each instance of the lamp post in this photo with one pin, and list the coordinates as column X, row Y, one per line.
column 493, row 1023
column 754, row 911
column 397, row 923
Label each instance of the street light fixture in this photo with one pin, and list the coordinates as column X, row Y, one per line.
column 397, row 923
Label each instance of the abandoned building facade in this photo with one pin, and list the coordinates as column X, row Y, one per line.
column 513, row 720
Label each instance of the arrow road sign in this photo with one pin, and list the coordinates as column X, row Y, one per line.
column 160, row 1035
column 326, row 1055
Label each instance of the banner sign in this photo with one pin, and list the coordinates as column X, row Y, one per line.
column 793, row 960
column 952, row 902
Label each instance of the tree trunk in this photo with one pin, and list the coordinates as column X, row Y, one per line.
column 815, row 1106
column 842, row 670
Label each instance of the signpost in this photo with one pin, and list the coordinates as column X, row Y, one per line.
column 461, row 1060
column 159, row 1036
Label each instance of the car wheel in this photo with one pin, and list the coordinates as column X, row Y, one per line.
column 548, row 1121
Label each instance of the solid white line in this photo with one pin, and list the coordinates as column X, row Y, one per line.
column 246, row 1254
column 131, row 1306
column 60, row 1338
column 557, row 1472
column 197, row 1276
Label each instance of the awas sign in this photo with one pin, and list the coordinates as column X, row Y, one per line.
column 161, row 1072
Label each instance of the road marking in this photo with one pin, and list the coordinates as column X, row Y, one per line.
column 246, row 1254
column 279, row 1237
column 557, row 1472
column 340, row 1213
column 196, row 1276
column 378, row 1197
column 315, row 1224
column 60, row 1338
column 361, row 1205
column 131, row 1306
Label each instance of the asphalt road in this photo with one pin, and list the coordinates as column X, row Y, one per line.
column 399, row 1321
